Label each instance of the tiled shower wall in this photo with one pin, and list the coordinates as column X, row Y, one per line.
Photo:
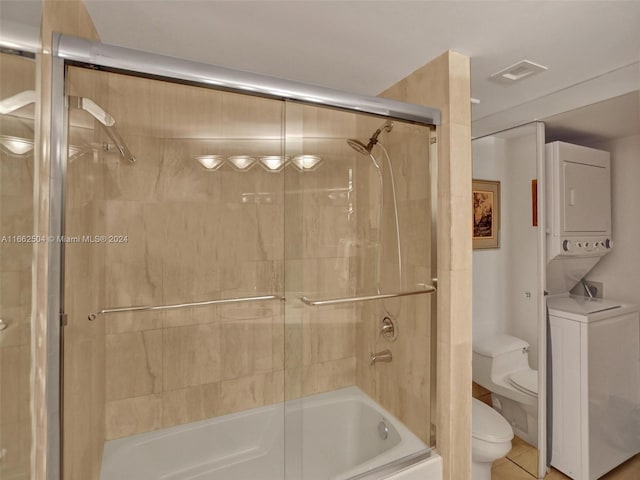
column 16, row 218
column 196, row 235
column 402, row 386
column 191, row 236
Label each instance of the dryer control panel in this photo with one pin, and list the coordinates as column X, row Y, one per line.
column 586, row 246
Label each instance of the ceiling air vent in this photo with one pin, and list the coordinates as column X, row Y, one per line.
column 518, row 71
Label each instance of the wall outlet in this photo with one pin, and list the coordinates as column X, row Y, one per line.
column 597, row 288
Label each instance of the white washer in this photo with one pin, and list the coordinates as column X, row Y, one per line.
column 595, row 347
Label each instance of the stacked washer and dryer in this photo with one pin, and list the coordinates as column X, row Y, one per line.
column 595, row 343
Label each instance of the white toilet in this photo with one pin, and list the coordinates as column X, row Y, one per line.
column 501, row 365
column 491, row 438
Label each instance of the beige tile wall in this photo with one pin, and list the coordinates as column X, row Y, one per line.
column 191, row 235
column 197, row 235
column 444, row 83
column 404, row 385
column 321, row 251
column 17, row 74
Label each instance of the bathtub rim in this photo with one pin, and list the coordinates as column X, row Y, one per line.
column 396, row 466
column 112, row 448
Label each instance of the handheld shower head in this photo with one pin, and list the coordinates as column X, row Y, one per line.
column 358, row 146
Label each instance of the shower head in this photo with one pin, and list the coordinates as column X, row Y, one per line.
column 360, row 147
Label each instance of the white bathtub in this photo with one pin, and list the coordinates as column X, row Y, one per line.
column 331, row 436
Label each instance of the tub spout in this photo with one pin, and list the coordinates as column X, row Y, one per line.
column 383, row 356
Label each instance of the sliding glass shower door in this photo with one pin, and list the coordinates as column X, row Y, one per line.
column 192, row 230
column 247, row 285
column 17, row 97
column 358, row 229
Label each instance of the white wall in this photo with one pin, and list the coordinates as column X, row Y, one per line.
column 523, row 248
column 620, row 270
column 502, row 277
column 490, row 265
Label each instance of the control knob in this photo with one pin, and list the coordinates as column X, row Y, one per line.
column 608, row 243
column 566, row 245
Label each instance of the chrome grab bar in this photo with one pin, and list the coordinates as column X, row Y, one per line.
column 305, row 300
column 105, row 311
column 366, row 298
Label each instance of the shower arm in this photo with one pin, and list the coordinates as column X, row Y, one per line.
column 106, row 121
column 386, row 127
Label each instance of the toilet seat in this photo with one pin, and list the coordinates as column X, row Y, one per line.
column 488, row 425
column 526, row 381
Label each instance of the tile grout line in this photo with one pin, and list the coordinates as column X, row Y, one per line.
column 521, row 468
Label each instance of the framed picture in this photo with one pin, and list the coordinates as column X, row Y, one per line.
column 486, row 214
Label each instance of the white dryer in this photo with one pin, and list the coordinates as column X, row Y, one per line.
column 595, row 347
column 578, row 194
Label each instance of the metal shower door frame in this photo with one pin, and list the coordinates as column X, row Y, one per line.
column 69, row 50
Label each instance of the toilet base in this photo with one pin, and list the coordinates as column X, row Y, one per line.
column 523, row 418
column 481, row 470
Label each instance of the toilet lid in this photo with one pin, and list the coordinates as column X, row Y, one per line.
column 488, row 425
column 526, row 380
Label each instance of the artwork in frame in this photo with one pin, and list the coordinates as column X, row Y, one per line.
column 486, row 214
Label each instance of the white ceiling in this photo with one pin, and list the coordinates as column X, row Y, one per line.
column 20, row 23
column 614, row 118
column 366, row 46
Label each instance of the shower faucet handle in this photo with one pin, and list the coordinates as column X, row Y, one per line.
column 383, row 356
column 388, row 330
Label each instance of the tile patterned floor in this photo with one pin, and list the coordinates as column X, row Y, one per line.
column 521, row 463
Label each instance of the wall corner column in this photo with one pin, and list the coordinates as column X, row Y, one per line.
column 445, row 83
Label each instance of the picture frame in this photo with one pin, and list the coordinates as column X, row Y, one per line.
column 485, row 215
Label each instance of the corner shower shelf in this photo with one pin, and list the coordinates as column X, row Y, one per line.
column 365, row 298
column 93, row 316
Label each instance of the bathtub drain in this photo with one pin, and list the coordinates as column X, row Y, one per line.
column 383, row 430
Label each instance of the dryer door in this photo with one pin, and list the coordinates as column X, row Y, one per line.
column 587, row 198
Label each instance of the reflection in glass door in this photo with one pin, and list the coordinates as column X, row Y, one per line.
column 17, row 97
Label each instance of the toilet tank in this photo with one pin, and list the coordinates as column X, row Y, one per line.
column 496, row 357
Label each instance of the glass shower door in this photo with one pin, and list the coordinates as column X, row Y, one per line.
column 174, row 287
column 17, row 97
column 357, row 227
column 247, row 285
